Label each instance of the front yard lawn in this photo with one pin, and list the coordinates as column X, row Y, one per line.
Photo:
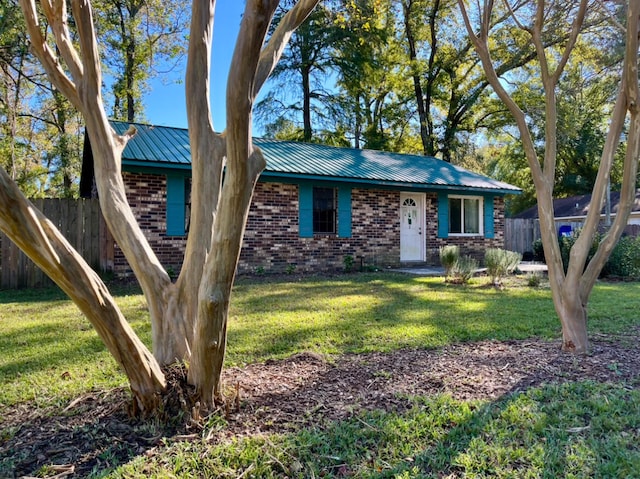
column 371, row 375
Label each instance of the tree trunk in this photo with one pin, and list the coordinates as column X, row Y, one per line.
column 566, row 291
column 188, row 319
column 358, row 123
column 573, row 318
column 130, row 72
column 45, row 246
column 423, row 104
column 219, row 272
column 244, row 164
column 307, row 132
column 64, row 151
column 450, row 130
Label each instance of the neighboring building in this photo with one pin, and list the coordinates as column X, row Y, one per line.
column 314, row 205
column 570, row 213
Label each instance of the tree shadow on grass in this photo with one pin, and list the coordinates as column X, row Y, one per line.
column 367, row 415
column 57, row 353
column 385, row 415
column 550, row 422
column 378, row 315
column 330, row 399
column 31, row 295
column 54, row 293
column 531, row 434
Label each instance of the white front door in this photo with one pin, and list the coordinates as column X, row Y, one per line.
column 412, row 242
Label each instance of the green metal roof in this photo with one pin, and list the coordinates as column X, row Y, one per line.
column 166, row 147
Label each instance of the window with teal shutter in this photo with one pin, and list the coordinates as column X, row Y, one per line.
column 443, row 215
column 466, row 215
column 324, row 210
column 488, row 217
column 305, row 210
column 344, row 212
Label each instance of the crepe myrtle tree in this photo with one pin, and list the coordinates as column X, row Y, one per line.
column 570, row 290
column 188, row 317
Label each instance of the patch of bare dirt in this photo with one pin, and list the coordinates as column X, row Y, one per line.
column 94, row 432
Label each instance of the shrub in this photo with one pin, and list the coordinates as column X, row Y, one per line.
column 348, row 263
column 464, row 268
column 538, row 251
column 625, row 259
column 449, row 255
column 500, row 262
column 533, row 280
column 565, row 243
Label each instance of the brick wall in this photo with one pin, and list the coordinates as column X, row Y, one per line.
column 272, row 242
column 147, row 195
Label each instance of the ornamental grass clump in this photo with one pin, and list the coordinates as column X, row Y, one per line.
column 463, row 269
column 500, row 263
column 449, row 256
column 534, row 280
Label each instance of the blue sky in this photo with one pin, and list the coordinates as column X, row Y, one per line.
column 165, row 103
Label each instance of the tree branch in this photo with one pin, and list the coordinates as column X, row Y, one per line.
column 627, row 99
column 92, row 78
column 56, row 13
column 46, row 55
column 43, row 243
column 575, row 31
column 481, row 46
column 512, row 13
column 272, row 52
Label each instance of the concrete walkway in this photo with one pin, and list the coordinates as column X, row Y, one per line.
column 525, row 267
column 532, row 267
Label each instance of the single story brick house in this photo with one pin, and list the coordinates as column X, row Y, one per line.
column 315, row 205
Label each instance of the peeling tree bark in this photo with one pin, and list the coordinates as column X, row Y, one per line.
column 45, row 246
column 244, row 164
column 571, row 292
column 251, row 66
column 189, row 318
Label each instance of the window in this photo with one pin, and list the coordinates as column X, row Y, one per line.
column 324, row 210
column 465, row 215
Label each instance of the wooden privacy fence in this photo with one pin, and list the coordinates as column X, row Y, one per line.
column 519, row 234
column 80, row 221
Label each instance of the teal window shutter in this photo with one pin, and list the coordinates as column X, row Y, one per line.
column 488, row 217
column 175, row 205
column 305, row 210
column 443, row 215
column 344, row 212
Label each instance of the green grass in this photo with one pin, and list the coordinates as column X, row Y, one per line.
column 578, row 430
column 49, row 353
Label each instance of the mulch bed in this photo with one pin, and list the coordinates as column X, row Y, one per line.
column 306, row 389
